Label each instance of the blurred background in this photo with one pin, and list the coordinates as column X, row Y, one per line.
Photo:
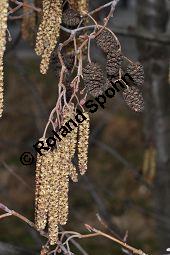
column 127, row 187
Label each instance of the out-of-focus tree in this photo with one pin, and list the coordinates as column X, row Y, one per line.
column 153, row 18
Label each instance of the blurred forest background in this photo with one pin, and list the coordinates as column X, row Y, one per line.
column 128, row 179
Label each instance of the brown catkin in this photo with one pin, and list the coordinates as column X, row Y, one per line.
column 71, row 18
column 137, row 73
column 133, row 98
column 114, row 62
column 3, row 28
column 48, row 31
column 68, row 59
column 93, row 78
column 107, row 41
column 83, row 142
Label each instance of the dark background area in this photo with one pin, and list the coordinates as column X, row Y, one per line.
column 116, row 186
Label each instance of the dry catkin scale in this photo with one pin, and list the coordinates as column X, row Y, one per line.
column 137, row 73
column 108, row 84
column 107, row 41
column 93, row 78
column 68, row 61
column 71, row 18
column 133, row 98
column 114, row 62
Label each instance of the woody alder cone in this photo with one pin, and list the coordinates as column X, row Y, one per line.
column 133, row 98
column 71, row 18
column 68, row 61
column 114, row 61
column 93, row 79
column 106, row 41
column 137, row 73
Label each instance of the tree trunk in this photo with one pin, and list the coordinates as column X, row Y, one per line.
column 153, row 18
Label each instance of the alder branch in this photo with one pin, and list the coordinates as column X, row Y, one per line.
column 9, row 212
column 112, row 3
column 96, row 233
column 128, row 32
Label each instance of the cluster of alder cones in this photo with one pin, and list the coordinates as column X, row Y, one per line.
column 96, row 80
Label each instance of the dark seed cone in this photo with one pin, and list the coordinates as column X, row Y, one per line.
column 71, row 18
column 134, row 99
column 55, row 64
column 137, row 73
column 106, row 41
column 108, row 85
column 93, row 79
column 68, row 61
column 114, row 62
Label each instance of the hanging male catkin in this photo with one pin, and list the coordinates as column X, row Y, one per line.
column 48, row 31
column 43, row 179
column 70, row 144
column 3, row 28
column 53, row 210
column 83, row 143
column 80, row 5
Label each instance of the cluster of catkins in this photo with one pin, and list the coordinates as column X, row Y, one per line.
column 56, row 166
column 53, row 170
column 97, row 82
column 49, row 30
